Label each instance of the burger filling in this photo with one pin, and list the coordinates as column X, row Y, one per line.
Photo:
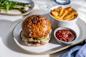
column 41, row 40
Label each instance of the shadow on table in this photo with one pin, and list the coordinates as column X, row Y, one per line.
column 7, row 36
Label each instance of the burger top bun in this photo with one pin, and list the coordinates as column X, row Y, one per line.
column 36, row 26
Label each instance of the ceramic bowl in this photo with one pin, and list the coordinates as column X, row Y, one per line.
column 64, row 42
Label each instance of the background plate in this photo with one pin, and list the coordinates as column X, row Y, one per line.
column 24, row 1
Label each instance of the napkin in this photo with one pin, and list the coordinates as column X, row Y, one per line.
column 78, row 51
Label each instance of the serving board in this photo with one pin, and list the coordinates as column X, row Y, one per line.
column 53, row 46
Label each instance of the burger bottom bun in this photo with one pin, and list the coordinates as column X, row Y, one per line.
column 33, row 43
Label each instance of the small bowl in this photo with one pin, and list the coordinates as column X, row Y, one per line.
column 64, row 42
column 63, row 21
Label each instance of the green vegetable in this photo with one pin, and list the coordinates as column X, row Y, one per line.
column 43, row 39
column 9, row 5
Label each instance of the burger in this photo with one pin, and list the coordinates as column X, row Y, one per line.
column 36, row 30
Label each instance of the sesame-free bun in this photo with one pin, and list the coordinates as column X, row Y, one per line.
column 36, row 26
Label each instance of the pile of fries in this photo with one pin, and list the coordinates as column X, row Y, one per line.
column 61, row 13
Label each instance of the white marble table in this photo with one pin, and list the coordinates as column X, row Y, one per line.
column 8, row 50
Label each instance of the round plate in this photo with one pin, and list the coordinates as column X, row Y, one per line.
column 50, row 48
column 30, row 2
column 32, row 49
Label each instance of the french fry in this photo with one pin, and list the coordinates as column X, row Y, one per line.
column 59, row 10
column 62, row 11
column 65, row 13
column 69, row 9
column 57, row 17
column 70, row 16
column 54, row 13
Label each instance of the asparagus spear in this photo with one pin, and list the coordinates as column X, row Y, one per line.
column 8, row 5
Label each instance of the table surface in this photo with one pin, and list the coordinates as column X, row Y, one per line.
column 7, row 21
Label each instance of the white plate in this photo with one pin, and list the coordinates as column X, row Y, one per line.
column 40, row 49
column 53, row 46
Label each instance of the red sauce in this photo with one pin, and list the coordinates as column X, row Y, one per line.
column 66, row 35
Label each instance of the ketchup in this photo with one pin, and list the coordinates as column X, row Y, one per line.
column 66, row 35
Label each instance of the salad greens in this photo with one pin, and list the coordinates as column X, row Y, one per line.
column 9, row 5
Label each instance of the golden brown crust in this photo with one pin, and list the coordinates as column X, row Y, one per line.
column 36, row 26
